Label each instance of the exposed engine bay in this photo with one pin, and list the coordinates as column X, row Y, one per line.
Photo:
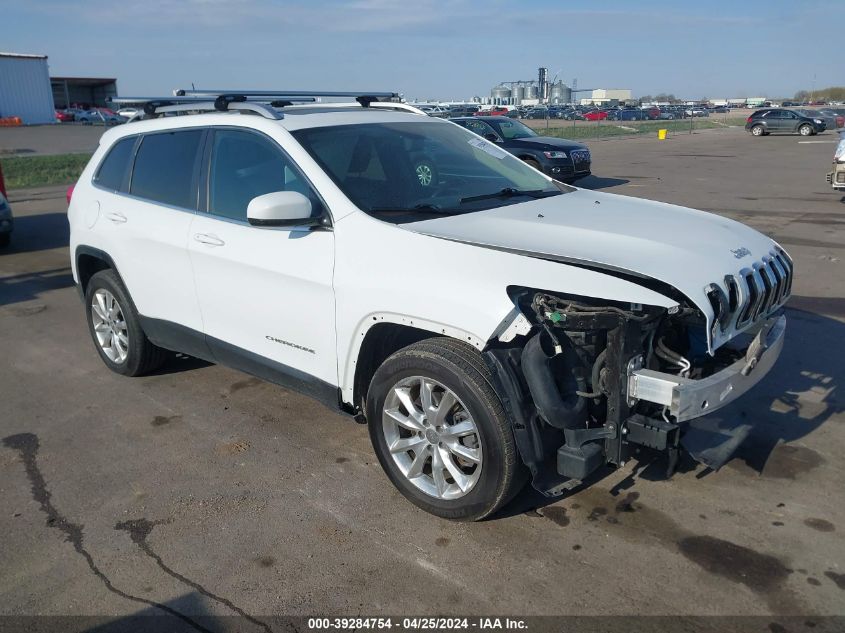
column 571, row 381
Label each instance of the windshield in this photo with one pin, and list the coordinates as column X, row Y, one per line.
column 410, row 171
column 509, row 129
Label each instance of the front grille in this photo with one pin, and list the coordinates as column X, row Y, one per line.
column 753, row 293
column 580, row 156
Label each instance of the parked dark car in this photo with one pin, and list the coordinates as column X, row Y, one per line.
column 837, row 113
column 463, row 110
column 629, row 114
column 720, row 110
column 561, row 159
column 779, row 120
column 824, row 114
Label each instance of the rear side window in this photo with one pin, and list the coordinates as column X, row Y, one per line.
column 166, row 166
column 115, row 165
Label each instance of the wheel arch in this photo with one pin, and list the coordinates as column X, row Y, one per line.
column 89, row 261
column 528, row 156
column 380, row 335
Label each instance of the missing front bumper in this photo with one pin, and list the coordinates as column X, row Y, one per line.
column 687, row 399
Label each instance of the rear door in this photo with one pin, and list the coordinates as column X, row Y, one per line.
column 789, row 122
column 265, row 292
column 146, row 218
column 776, row 121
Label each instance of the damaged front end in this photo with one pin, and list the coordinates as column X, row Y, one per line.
column 585, row 381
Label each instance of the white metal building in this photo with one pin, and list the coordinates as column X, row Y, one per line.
column 601, row 96
column 25, row 89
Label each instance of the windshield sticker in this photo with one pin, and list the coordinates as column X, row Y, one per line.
column 489, row 148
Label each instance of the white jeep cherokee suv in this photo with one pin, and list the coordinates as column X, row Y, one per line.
column 488, row 323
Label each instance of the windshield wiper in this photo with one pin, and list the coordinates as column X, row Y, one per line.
column 510, row 192
column 420, row 208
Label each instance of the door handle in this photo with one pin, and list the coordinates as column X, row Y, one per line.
column 208, row 238
column 117, row 218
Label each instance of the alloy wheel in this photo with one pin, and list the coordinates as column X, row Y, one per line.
column 432, row 437
column 424, row 174
column 110, row 326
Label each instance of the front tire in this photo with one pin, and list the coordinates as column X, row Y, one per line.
column 440, row 432
column 805, row 130
column 116, row 329
column 533, row 163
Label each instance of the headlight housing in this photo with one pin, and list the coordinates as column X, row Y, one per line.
column 555, row 154
column 819, row 121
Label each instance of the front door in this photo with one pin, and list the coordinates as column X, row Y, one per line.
column 265, row 293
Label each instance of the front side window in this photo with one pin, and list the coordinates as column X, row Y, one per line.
column 508, row 129
column 166, row 167
column 378, row 165
column 479, row 127
column 114, row 167
column 244, row 166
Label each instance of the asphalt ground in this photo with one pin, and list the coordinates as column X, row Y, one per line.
column 206, row 492
column 39, row 140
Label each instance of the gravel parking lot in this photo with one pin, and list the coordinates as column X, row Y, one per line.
column 207, row 492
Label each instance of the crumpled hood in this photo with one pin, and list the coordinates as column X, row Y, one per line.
column 685, row 248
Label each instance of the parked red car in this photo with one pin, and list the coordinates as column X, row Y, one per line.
column 596, row 115
column 494, row 111
column 63, row 116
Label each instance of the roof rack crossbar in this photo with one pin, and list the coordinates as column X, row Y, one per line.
column 374, row 95
column 201, row 99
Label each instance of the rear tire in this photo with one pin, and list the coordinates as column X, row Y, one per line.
column 5, row 238
column 116, row 329
column 758, row 130
column 470, row 443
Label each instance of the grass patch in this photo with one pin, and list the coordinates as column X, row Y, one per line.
column 606, row 129
column 22, row 172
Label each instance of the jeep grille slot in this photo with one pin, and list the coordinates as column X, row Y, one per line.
column 754, row 292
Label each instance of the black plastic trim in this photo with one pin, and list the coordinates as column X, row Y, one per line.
column 82, row 249
column 179, row 338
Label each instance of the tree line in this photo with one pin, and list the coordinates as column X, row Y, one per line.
column 834, row 93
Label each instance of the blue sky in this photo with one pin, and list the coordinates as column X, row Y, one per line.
column 451, row 49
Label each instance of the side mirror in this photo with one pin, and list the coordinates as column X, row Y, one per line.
column 491, row 137
column 280, row 208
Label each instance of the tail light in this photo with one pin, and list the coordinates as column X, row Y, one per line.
column 2, row 184
column 748, row 120
column 69, row 194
